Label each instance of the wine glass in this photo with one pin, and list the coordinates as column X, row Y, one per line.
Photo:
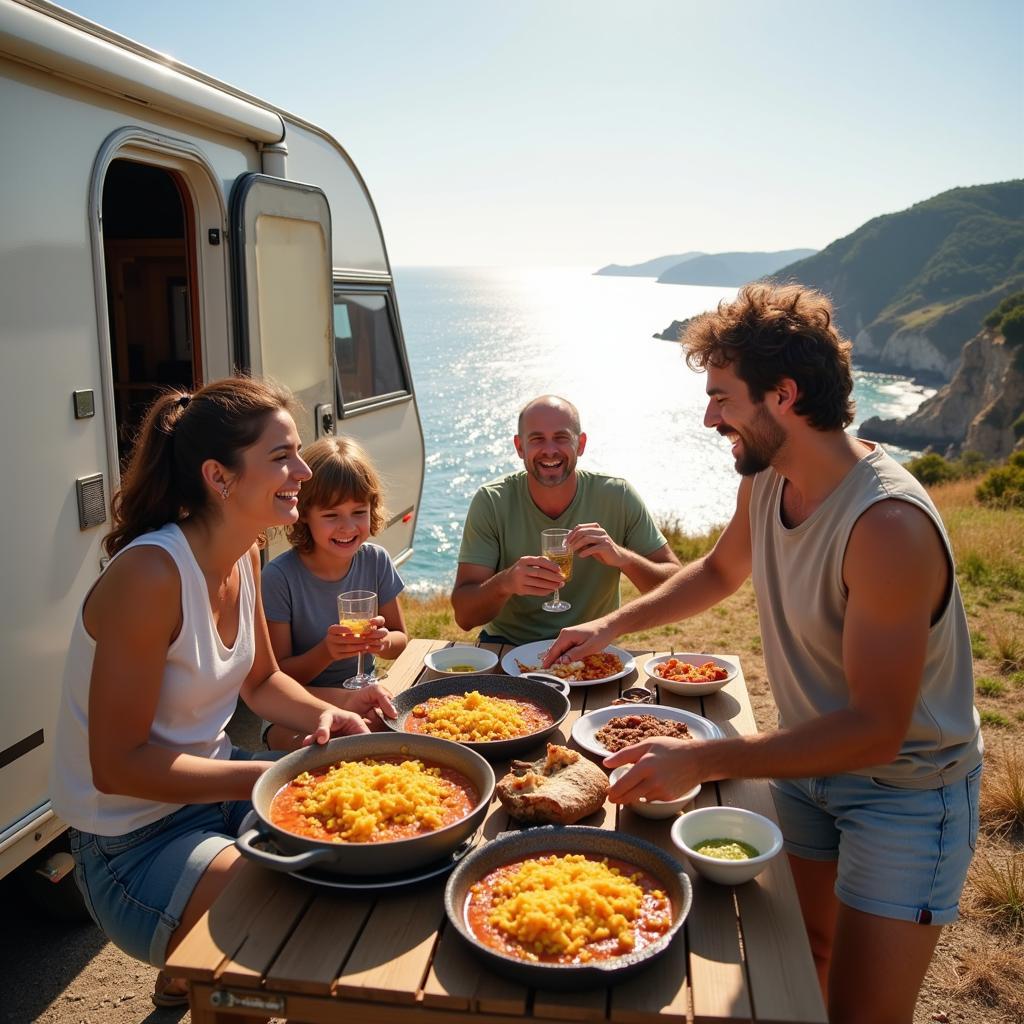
column 554, row 544
column 355, row 610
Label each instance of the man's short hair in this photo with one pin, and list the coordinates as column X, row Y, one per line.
column 574, row 413
column 774, row 331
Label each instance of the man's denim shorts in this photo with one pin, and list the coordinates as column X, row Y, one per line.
column 903, row 853
column 136, row 886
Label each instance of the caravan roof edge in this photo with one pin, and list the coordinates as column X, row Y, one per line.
column 256, row 114
column 51, row 37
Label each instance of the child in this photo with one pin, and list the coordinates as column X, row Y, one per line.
column 339, row 509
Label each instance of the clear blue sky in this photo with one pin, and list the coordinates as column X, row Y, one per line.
column 596, row 131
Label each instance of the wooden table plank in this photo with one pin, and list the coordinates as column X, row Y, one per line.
column 222, row 930
column 266, row 934
column 312, row 957
column 408, row 666
column 456, row 979
column 718, row 977
column 778, row 954
column 391, row 958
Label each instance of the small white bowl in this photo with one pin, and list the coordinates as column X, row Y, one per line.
column 706, row 823
column 443, row 661
column 655, row 808
column 690, row 689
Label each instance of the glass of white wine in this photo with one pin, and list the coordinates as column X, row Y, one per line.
column 355, row 610
column 554, row 544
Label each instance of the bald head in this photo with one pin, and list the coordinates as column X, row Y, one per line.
column 561, row 405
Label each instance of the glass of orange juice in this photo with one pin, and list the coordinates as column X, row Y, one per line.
column 355, row 610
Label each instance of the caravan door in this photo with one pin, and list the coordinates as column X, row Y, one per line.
column 284, row 316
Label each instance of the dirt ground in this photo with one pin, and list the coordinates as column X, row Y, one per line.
column 59, row 973
column 55, row 972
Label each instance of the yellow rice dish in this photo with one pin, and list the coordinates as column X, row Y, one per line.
column 373, row 800
column 475, row 718
column 568, row 908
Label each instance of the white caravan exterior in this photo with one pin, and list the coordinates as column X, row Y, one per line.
column 157, row 228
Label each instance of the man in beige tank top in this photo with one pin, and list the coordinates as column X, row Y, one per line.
column 876, row 763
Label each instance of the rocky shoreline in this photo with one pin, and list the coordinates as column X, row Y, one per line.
column 975, row 411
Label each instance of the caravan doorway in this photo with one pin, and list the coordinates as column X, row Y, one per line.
column 148, row 239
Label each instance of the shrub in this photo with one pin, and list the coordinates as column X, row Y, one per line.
column 1008, row 305
column 932, row 469
column 1013, row 326
column 1018, row 426
column 1003, row 487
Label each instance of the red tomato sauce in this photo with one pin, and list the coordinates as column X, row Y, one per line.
column 460, row 797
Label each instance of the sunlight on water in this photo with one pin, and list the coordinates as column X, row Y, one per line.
column 482, row 342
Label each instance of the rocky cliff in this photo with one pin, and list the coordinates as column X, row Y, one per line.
column 975, row 411
column 910, row 287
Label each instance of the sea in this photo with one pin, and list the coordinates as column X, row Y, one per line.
column 482, row 341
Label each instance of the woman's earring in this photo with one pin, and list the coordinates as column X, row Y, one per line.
column 224, row 491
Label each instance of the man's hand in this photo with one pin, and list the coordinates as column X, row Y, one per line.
column 533, row 576
column 341, row 643
column 591, row 540
column 335, row 722
column 578, row 641
column 664, row 768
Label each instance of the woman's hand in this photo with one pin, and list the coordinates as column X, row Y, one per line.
column 335, row 722
column 342, row 644
column 365, row 701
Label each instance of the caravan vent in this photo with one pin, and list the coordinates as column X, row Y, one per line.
column 92, row 506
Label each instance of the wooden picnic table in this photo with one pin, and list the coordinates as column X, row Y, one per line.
column 277, row 946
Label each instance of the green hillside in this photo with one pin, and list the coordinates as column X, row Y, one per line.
column 929, row 272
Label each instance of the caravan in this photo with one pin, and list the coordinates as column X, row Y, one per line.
column 160, row 229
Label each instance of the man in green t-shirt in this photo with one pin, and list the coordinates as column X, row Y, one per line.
column 503, row 580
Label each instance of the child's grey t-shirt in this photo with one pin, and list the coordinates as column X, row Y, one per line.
column 292, row 594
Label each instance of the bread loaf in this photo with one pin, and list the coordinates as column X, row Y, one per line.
column 559, row 789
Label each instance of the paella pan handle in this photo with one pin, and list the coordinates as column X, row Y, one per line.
column 278, row 861
column 554, row 681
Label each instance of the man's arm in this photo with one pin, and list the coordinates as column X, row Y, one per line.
column 688, row 591
column 897, row 576
column 480, row 592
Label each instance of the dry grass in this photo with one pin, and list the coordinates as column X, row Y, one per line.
column 996, row 892
column 1002, row 790
column 981, row 979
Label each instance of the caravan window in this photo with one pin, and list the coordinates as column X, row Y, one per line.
column 366, row 353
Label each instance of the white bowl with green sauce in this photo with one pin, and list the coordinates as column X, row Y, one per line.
column 728, row 845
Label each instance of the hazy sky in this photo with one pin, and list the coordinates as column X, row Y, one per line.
column 598, row 131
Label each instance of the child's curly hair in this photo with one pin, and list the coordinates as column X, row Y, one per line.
column 342, row 471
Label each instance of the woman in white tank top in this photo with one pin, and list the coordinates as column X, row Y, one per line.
column 166, row 641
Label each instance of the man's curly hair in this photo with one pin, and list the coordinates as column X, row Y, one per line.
column 774, row 331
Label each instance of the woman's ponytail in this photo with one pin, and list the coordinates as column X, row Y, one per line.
column 163, row 482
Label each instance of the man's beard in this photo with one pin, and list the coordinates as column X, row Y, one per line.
column 548, row 480
column 760, row 445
